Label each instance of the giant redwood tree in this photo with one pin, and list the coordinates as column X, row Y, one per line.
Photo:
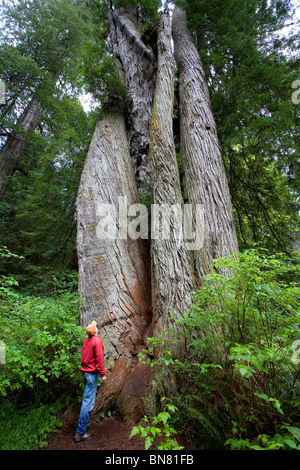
column 133, row 286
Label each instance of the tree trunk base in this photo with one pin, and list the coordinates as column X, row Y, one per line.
column 128, row 390
column 134, row 391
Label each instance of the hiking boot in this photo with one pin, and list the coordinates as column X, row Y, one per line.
column 82, row 437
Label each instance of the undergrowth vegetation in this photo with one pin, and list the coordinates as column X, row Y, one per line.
column 40, row 358
column 239, row 386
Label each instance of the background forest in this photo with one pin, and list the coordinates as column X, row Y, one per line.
column 242, row 375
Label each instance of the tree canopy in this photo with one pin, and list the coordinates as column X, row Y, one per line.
column 40, row 60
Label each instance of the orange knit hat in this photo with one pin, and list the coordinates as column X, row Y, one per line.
column 90, row 329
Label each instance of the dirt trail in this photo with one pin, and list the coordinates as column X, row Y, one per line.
column 109, row 434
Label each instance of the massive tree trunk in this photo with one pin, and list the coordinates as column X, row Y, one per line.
column 114, row 276
column 205, row 177
column 132, row 286
column 15, row 145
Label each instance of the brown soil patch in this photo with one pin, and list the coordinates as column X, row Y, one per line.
column 109, row 434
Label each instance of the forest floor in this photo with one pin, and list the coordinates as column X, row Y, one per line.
column 108, row 434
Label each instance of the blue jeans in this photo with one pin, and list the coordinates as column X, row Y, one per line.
column 89, row 394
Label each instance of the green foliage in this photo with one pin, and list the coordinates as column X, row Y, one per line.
column 159, row 432
column 27, row 427
column 104, row 414
column 243, row 328
column 7, row 283
column 256, row 307
column 287, row 439
column 101, row 73
column 21, row 75
column 99, row 70
column 42, row 340
column 39, row 50
column 46, row 31
column 39, row 204
column 162, row 340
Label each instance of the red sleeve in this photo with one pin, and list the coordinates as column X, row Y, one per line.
column 99, row 356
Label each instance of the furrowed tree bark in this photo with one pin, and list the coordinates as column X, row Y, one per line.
column 205, row 176
column 15, row 145
column 172, row 279
column 114, row 279
column 137, row 63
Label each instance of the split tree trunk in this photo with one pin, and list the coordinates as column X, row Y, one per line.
column 129, row 287
column 137, row 63
column 15, row 145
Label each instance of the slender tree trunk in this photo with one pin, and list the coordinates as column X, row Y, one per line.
column 15, row 145
column 205, row 176
column 172, row 279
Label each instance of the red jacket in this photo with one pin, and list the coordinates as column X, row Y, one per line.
column 92, row 356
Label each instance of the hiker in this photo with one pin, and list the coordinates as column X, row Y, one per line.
column 92, row 366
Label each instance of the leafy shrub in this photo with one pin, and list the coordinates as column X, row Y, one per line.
column 159, row 432
column 42, row 339
column 243, row 368
column 42, row 342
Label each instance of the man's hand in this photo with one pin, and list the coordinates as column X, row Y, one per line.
column 104, row 378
